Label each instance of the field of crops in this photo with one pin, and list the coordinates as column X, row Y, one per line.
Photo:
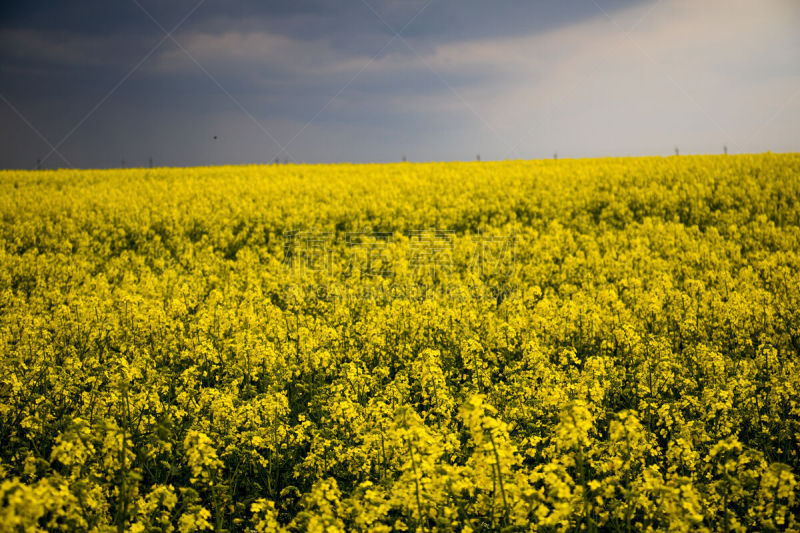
column 597, row 345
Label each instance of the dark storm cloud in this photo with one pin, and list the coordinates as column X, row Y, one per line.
column 445, row 19
column 101, row 32
column 99, row 80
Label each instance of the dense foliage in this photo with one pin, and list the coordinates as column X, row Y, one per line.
column 594, row 345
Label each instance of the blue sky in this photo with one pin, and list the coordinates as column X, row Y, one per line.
column 94, row 83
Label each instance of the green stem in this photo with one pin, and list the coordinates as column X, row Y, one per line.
column 499, row 478
column 416, row 482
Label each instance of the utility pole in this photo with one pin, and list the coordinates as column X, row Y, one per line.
column 478, row 157
column 676, row 151
column 555, row 155
column 725, row 149
column 38, row 163
column 151, row 162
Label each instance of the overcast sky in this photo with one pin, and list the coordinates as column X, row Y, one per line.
column 96, row 82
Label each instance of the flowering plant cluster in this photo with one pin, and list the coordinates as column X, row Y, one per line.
column 629, row 359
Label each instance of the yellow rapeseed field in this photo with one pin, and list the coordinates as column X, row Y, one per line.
column 594, row 345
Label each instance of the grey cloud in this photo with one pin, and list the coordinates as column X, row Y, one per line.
column 504, row 79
